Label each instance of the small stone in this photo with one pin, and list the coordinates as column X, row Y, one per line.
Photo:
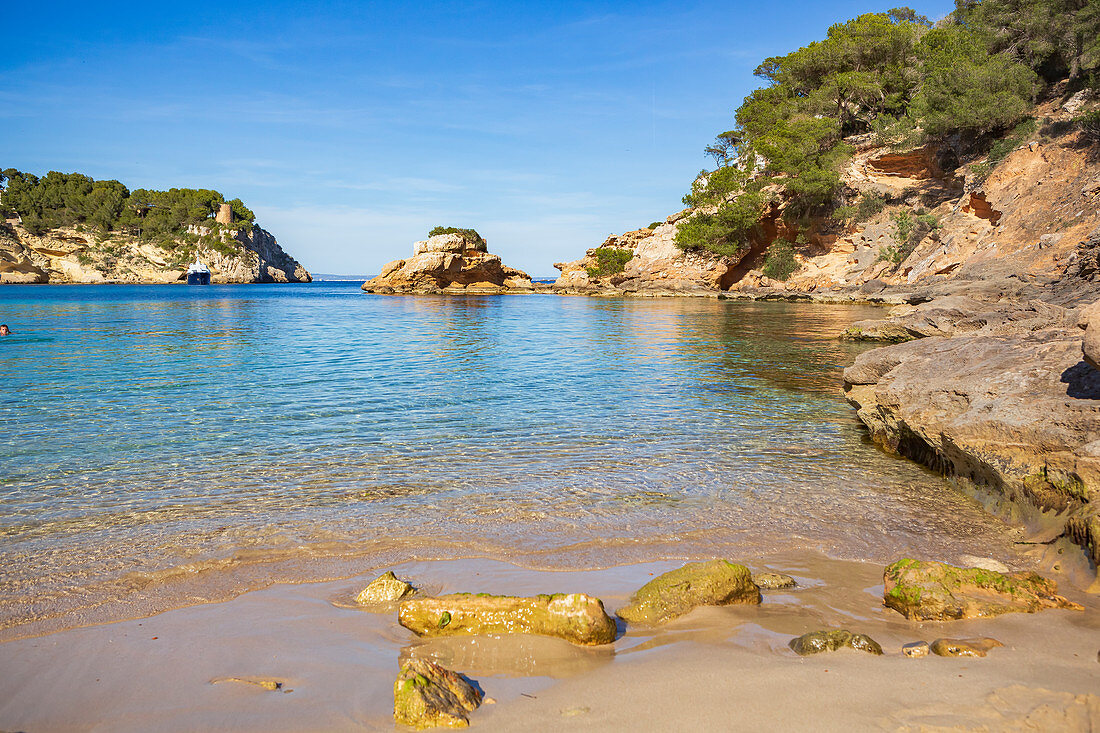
column 829, row 640
column 267, row 683
column 773, row 581
column 426, row 695
column 964, row 647
column 386, row 588
column 916, row 649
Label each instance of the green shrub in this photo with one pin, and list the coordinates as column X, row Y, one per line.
column 609, row 261
column 869, row 204
column 470, row 235
column 654, row 225
column 779, row 263
column 1090, row 125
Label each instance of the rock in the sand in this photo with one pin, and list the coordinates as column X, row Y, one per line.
column 773, row 581
column 916, row 649
column 829, row 640
column 426, row 695
column 964, row 647
column 710, row 583
column 575, row 617
column 268, row 683
column 933, row 591
column 386, row 588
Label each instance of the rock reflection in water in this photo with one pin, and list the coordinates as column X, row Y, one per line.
column 516, row 655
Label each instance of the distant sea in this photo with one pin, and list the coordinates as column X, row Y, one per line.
column 231, row 435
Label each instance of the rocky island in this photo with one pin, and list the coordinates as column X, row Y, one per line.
column 450, row 261
column 69, row 228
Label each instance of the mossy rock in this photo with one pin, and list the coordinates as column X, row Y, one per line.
column 710, row 583
column 426, row 695
column 386, row 588
column 829, row 640
column 575, row 617
column 924, row 590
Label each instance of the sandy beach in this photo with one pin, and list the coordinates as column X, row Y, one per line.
column 718, row 668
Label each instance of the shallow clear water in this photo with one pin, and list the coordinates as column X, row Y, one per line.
column 150, row 434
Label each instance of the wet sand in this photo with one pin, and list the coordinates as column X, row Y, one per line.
column 715, row 669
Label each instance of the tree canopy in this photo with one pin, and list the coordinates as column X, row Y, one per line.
column 70, row 199
column 975, row 73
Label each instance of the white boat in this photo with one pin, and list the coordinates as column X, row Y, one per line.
column 198, row 273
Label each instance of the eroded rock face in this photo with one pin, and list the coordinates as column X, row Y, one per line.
column 575, row 617
column 450, row 264
column 656, row 267
column 829, row 640
column 426, row 695
column 1018, row 415
column 1090, row 341
column 386, row 588
column 68, row 255
column 933, row 591
column 711, row 583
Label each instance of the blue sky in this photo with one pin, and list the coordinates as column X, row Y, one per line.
column 353, row 128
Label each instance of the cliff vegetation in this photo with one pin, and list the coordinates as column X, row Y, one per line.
column 965, row 85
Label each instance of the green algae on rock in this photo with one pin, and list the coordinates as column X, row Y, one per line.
column 575, row 617
column 934, row 591
column 964, row 647
column 426, row 695
column 829, row 640
column 710, row 583
column 386, row 588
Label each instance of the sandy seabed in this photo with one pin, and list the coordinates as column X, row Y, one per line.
column 714, row 669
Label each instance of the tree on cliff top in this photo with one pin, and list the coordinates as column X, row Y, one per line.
column 973, row 73
column 69, row 199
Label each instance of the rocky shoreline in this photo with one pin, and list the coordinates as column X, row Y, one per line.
column 428, row 695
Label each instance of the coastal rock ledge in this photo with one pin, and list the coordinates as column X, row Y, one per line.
column 450, row 264
column 1017, row 416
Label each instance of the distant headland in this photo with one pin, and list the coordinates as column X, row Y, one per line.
column 69, row 228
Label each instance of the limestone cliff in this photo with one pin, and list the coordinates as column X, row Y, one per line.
column 1033, row 215
column 72, row 255
column 450, row 264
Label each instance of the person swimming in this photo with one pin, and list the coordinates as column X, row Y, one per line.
column 4, row 330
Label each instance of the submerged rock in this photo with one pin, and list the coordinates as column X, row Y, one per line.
column 711, row 583
column 451, row 264
column 964, row 647
column 773, row 581
column 575, row 617
column 426, row 695
column 916, row 649
column 829, row 640
column 934, row 591
column 386, row 588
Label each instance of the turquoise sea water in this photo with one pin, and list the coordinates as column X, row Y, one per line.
column 226, row 436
